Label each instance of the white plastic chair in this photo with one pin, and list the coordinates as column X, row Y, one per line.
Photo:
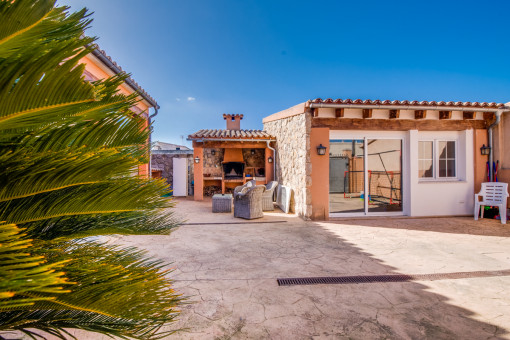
column 494, row 195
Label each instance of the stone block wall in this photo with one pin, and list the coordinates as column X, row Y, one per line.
column 212, row 163
column 256, row 161
column 293, row 163
column 165, row 162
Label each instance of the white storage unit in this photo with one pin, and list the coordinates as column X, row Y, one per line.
column 180, row 177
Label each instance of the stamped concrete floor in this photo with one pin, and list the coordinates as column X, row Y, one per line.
column 228, row 268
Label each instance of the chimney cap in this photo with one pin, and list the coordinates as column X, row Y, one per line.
column 229, row 116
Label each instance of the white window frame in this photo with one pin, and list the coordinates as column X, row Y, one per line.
column 435, row 160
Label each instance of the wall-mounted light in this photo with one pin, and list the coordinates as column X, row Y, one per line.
column 321, row 150
column 485, row 150
column 197, row 160
column 270, row 159
column 213, row 152
column 252, row 151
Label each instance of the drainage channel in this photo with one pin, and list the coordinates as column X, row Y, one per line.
column 388, row 278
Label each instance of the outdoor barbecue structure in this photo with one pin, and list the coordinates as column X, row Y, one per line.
column 226, row 158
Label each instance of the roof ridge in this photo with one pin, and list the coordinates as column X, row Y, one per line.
column 405, row 102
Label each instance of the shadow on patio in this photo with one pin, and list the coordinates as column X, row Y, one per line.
column 230, row 272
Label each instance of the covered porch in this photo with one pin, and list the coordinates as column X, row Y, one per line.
column 224, row 159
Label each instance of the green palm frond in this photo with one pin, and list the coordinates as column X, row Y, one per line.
column 112, row 295
column 46, row 172
column 68, row 150
column 26, row 278
column 127, row 223
column 116, row 196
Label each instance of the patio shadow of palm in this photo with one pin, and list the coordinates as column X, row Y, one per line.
column 230, row 270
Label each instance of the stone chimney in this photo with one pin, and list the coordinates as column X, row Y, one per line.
column 233, row 121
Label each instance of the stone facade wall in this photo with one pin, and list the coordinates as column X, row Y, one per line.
column 166, row 164
column 293, row 163
column 212, row 163
column 256, row 160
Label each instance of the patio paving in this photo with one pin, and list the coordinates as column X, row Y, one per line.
column 229, row 267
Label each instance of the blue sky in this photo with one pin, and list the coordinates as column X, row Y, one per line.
column 202, row 58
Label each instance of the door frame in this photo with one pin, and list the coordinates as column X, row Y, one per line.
column 365, row 136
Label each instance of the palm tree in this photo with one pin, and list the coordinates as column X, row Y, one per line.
column 68, row 150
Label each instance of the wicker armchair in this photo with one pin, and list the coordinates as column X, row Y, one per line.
column 248, row 184
column 248, row 203
column 267, row 196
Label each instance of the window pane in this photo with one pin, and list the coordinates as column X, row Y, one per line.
column 346, row 176
column 450, row 168
column 425, row 150
column 425, row 169
column 441, row 149
column 384, row 162
column 442, row 168
column 450, row 149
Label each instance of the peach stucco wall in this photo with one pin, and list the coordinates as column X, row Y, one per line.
column 269, row 166
column 100, row 71
column 480, row 138
column 198, row 173
column 320, row 174
column 96, row 70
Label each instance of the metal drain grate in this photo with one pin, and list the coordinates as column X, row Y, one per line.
column 387, row 278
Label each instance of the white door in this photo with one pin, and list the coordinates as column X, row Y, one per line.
column 180, row 177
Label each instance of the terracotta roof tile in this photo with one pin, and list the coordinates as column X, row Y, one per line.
column 129, row 80
column 405, row 102
column 230, row 134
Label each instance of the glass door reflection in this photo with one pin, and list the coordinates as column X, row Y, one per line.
column 346, row 176
column 384, row 167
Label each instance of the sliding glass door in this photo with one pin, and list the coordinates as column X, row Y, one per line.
column 384, row 166
column 346, row 180
column 365, row 176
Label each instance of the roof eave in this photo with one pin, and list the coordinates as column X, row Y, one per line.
column 117, row 70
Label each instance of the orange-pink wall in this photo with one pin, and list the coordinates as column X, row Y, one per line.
column 198, row 176
column 97, row 70
column 320, row 174
column 480, row 138
column 269, row 166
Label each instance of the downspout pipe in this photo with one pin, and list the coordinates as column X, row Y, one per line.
column 491, row 152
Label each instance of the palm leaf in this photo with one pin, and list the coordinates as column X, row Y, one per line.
column 24, row 277
column 68, row 150
column 114, row 286
column 116, row 196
